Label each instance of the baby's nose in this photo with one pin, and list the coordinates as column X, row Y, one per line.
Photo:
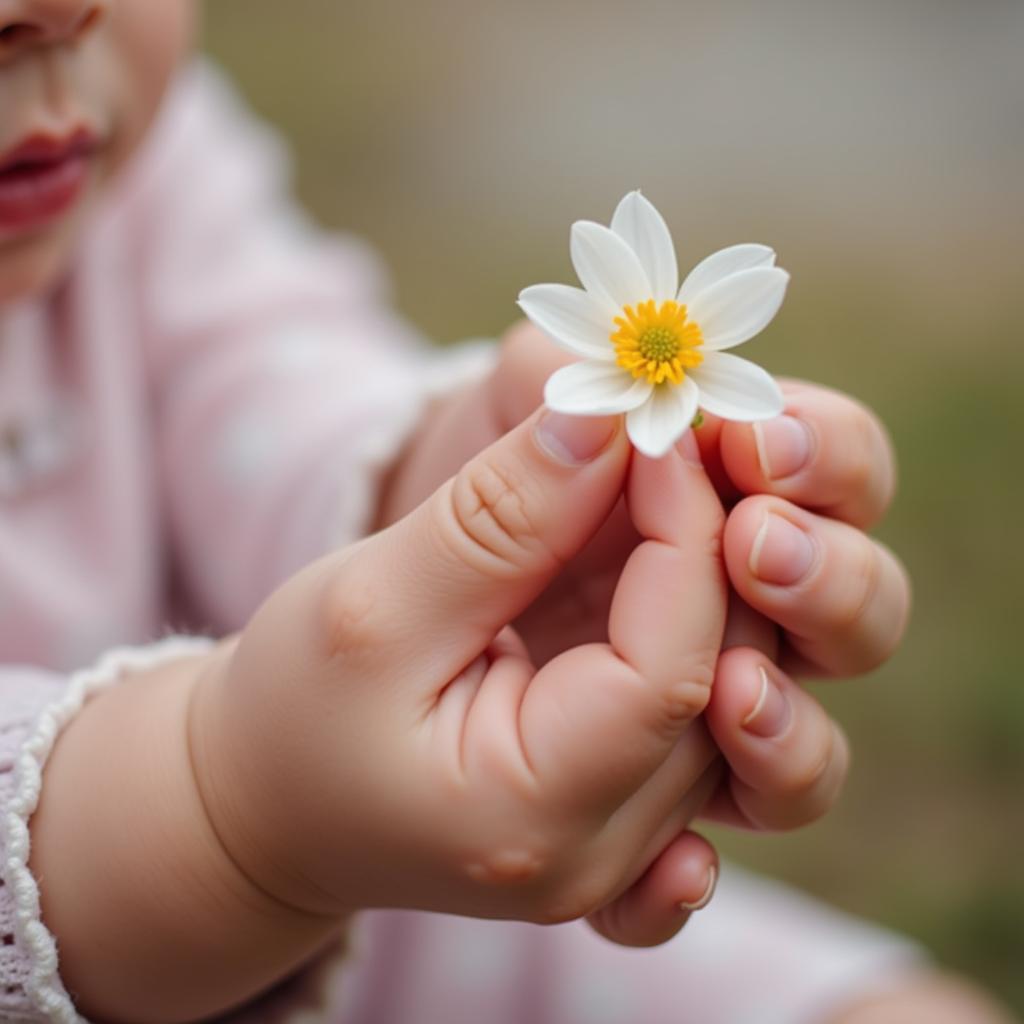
column 29, row 23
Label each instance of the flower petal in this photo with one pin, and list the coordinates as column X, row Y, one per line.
column 571, row 318
column 739, row 306
column 607, row 267
column 594, row 389
column 639, row 224
column 737, row 389
column 657, row 424
column 723, row 263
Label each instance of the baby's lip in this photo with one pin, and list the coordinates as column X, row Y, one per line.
column 43, row 177
column 49, row 148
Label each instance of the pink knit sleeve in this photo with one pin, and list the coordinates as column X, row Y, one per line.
column 284, row 382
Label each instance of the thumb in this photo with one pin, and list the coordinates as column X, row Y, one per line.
column 467, row 561
column 634, row 697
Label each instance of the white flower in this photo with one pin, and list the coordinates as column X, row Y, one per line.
column 651, row 349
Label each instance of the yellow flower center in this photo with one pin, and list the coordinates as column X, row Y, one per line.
column 658, row 343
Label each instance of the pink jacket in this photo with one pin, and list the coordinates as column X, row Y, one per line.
column 201, row 409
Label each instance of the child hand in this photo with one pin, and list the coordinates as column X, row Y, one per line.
column 376, row 738
column 847, row 616
column 379, row 737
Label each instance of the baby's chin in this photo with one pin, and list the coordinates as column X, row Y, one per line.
column 34, row 264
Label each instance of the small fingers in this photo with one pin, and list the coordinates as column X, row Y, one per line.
column 681, row 881
column 668, row 612
column 827, row 452
column 787, row 759
column 602, row 718
column 842, row 598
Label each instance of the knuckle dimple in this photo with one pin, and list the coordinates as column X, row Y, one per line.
column 349, row 619
column 496, row 510
column 508, row 866
column 546, row 874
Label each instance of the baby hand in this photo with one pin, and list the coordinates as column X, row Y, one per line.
column 845, row 485
column 844, row 615
column 380, row 737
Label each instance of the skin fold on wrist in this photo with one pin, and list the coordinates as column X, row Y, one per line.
column 153, row 922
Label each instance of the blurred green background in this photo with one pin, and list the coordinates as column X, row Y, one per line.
column 879, row 147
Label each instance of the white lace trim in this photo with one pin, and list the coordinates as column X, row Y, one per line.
column 44, row 986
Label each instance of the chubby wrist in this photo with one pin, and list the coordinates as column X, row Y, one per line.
column 153, row 921
column 260, row 787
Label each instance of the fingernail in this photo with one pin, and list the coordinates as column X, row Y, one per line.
column 709, row 891
column 782, row 554
column 783, row 446
column 574, row 440
column 770, row 715
column 689, row 449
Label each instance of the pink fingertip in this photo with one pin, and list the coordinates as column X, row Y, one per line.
column 783, row 446
column 574, row 440
column 709, row 891
column 782, row 554
column 771, row 714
